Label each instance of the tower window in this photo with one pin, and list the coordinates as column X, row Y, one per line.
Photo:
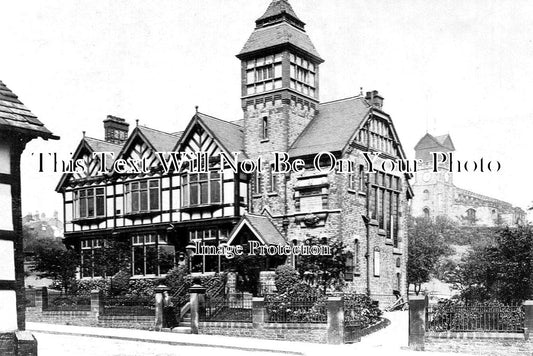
column 426, row 213
column 263, row 74
column 264, row 128
column 471, row 216
column 426, row 194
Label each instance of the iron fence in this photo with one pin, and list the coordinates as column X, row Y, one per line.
column 229, row 307
column 295, row 310
column 129, row 305
column 67, row 302
column 481, row 317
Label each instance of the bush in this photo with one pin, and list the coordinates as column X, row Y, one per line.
column 176, row 279
column 142, row 288
column 302, row 304
column 84, row 287
column 360, row 310
column 286, row 277
column 120, row 282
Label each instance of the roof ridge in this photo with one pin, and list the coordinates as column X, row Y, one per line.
column 103, row 141
column 359, row 96
column 224, row 121
column 157, row 130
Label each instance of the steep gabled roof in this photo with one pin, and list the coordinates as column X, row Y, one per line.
column 320, row 135
column 262, row 227
column 97, row 145
column 279, row 35
column 161, row 141
column 430, row 141
column 17, row 117
column 229, row 134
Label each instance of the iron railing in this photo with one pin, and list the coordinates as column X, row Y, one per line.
column 229, row 307
column 479, row 317
column 295, row 310
column 127, row 305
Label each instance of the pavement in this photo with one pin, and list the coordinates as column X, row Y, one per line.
column 87, row 341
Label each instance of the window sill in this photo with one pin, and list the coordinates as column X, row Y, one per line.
column 264, row 140
column 373, row 222
column 255, row 196
column 388, row 241
column 272, row 194
column 351, row 191
column 141, row 214
column 396, row 251
column 213, row 206
column 360, row 192
column 382, row 232
column 88, row 221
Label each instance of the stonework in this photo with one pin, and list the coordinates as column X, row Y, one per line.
column 437, row 195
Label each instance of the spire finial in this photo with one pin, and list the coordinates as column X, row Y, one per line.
column 196, row 107
column 136, row 122
column 361, row 91
column 83, row 133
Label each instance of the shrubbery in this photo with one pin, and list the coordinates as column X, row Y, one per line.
column 361, row 310
column 286, row 277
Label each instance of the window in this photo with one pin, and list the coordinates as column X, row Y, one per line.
column 258, row 182
column 207, row 237
column 303, row 74
column 264, row 128
column 89, row 203
column 201, row 188
column 142, row 196
column 90, row 261
column 377, row 262
column 426, row 213
column 471, row 216
column 151, row 254
column 272, row 180
column 362, row 181
column 357, row 266
column 349, row 270
column 398, row 282
column 263, row 74
column 384, row 203
column 426, row 194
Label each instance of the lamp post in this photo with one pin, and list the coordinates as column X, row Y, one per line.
column 190, row 248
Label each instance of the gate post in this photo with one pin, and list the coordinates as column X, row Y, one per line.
column 335, row 310
column 528, row 318
column 417, row 322
column 159, row 306
column 197, row 293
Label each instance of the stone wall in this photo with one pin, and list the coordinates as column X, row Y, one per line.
column 79, row 318
column 7, row 344
column 486, row 347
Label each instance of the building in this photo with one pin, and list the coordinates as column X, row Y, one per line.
column 18, row 126
column 436, row 193
column 158, row 212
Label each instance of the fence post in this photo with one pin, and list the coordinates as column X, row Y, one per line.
column 197, row 293
column 335, row 310
column 160, row 321
column 41, row 299
column 258, row 313
column 528, row 318
column 97, row 302
column 417, row 322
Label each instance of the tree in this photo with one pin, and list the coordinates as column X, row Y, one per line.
column 54, row 261
column 427, row 245
column 499, row 270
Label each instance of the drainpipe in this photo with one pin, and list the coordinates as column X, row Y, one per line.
column 367, row 218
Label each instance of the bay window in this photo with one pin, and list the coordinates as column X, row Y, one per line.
column 151, row 254
column 89, row 203
column 201, row 188
column 141, row 196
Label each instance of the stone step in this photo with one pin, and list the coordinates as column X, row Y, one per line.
column 185, row 323
column 182, row 330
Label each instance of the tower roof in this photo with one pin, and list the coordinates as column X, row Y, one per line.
column 279, row 27
column 277, row 11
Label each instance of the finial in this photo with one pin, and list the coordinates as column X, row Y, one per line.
column 136, row 122
column 196, row 107
column 360, row 90
column 83, row 133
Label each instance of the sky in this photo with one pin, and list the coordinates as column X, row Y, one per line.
column 450, row 66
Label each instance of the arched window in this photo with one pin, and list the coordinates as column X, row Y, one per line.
column 377, row 262
column 398, row 262
column 349, row 267
column 357, row 269
column 398, row 281
column 426, row 194
column 426, row 213
column 471, row 216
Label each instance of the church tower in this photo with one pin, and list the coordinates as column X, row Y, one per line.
column 280, row 80
column 434, row 192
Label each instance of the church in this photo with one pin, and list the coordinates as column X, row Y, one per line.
column 160, row 214
column 437, row 195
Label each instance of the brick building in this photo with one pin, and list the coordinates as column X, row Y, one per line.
column 436, row 193
column 160, row 213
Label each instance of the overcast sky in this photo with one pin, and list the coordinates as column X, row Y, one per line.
column 458, row 67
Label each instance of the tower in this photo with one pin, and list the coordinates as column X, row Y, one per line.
column 434, row 191
column 280, row 80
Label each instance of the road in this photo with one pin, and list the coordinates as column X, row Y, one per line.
column 67, row 345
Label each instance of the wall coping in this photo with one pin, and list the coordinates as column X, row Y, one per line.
column 474, row 335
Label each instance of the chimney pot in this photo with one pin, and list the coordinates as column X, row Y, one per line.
column 116, row 129
column 374, row 99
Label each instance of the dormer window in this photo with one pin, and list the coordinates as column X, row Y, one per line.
column 89, row 203
column 141, row 196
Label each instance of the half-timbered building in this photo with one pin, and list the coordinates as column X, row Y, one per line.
column 159, row 213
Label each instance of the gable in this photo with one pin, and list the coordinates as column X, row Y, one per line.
column 139, row 149
column 199, row 140
column 378, row 133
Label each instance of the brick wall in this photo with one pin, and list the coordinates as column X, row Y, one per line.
column 488, row 347
column 7, row 344
column 316, row 333
column 127, row 321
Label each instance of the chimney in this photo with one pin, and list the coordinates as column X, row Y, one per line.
column 374, row 99
column 116, row 129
